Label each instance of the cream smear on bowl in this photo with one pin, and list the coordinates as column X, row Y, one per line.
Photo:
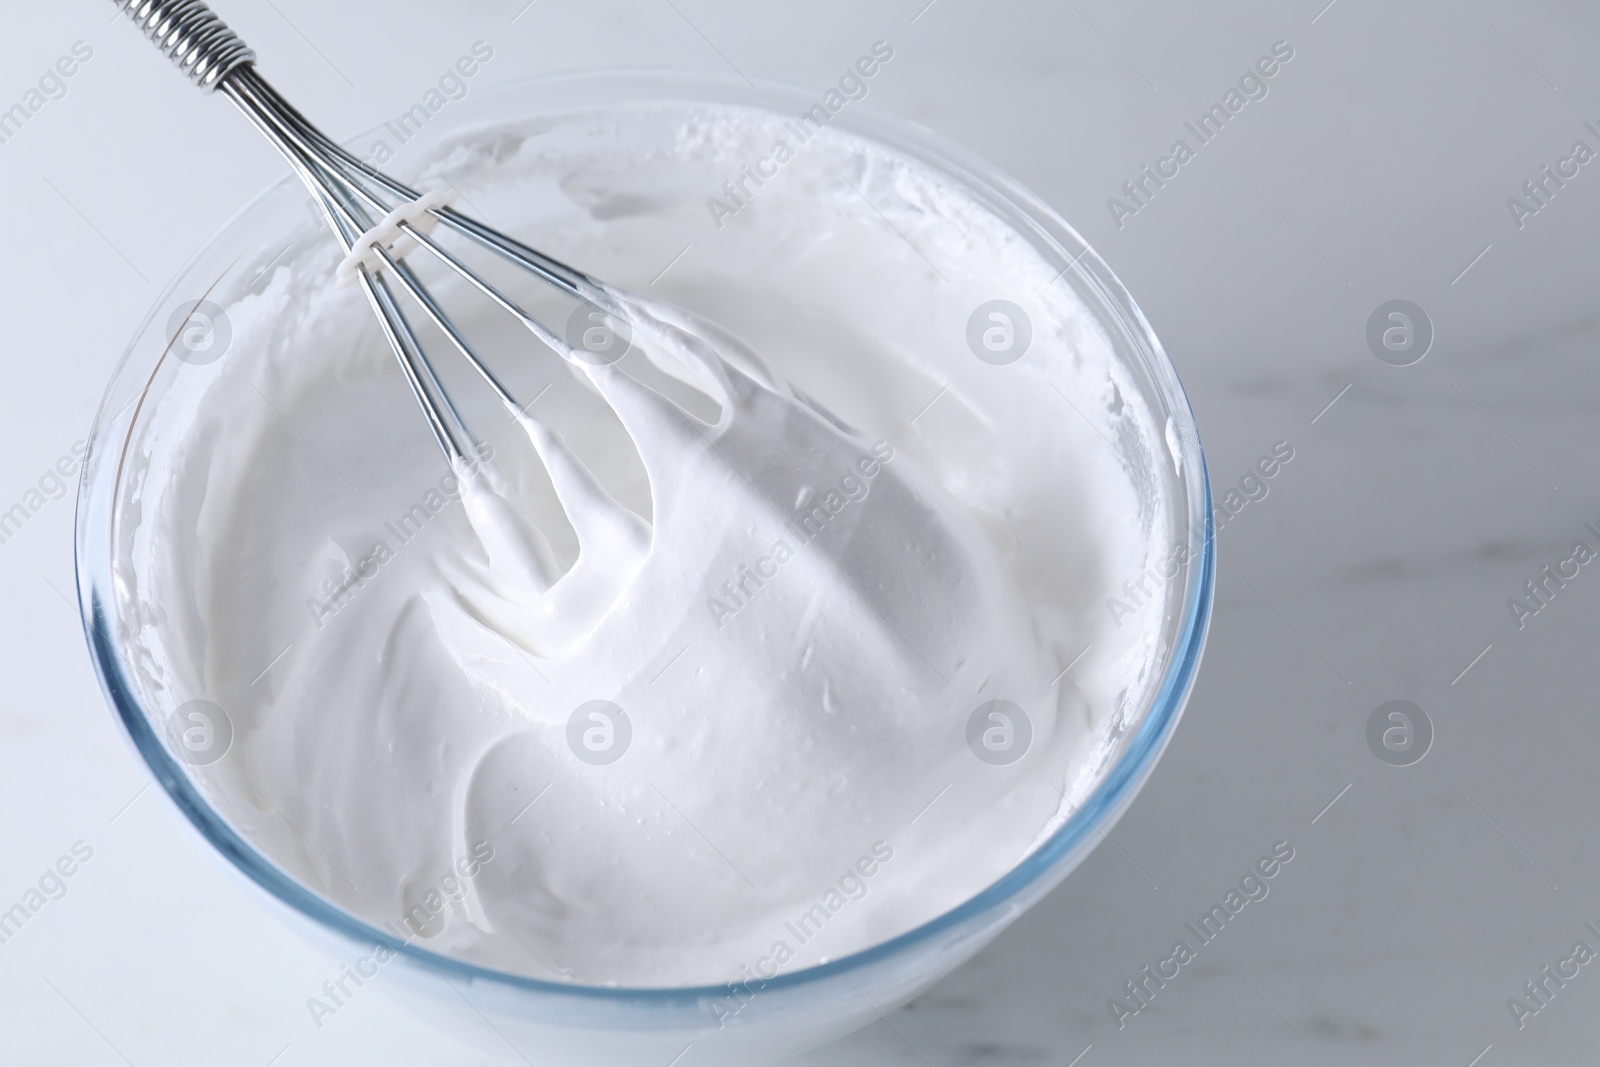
column 806, row 701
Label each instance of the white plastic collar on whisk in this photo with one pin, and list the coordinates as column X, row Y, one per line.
column 388, row 236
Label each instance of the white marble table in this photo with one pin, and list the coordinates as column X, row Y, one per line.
column 1377, row 167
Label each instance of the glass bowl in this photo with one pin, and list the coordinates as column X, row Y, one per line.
column 550, row 1022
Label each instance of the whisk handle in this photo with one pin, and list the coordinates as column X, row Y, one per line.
column 190, row 34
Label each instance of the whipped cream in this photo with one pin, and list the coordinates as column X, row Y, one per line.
column 719, row 650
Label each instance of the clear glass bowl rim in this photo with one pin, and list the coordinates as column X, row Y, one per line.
column 1110, row 797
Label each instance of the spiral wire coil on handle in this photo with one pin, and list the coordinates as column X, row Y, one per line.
column 370, row 213
column 190, row 34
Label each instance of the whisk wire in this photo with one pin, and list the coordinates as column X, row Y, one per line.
column 573, row 282
column 346, row 220
column 375, row 218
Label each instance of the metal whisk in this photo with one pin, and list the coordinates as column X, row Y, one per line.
column 375, row 218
